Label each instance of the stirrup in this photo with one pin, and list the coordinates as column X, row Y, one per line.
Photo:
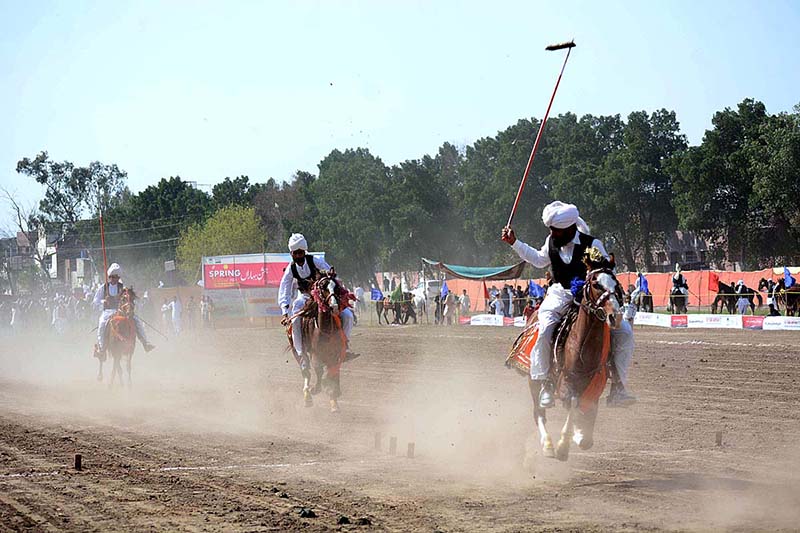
column 546, row 395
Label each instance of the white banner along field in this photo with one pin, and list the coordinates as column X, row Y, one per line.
column 704, row 321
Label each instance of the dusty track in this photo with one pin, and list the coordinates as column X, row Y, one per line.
column 213, row 436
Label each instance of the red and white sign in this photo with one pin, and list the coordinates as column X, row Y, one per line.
column 679, row 321
column 753, row 322
column 242, row 275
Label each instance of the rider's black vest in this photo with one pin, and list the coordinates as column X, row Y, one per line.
column 678, row 282
column 112, row 302
column 312, row 268
column 564, row 273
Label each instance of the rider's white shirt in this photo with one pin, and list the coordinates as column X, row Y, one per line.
column 541, row 259
column 113, row 290
column 288, row 284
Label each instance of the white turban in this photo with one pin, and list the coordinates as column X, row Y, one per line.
column 560, row 215
column 297, row 242
column 740, row 282
column 114, row 270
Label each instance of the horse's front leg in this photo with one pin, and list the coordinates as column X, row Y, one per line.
column 128, row 359
column 100, row 370
column 562, row 450
column 307, row 387
column 114, row 369
column 584, row 429
column 540, row 417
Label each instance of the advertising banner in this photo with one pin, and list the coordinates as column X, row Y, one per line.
column 486, row 320
column 245, row 285
column 753, row 322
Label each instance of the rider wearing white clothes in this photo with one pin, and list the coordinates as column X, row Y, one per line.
column 107, row 299
column 563, row 252
column 679, row 281
column 303, row 270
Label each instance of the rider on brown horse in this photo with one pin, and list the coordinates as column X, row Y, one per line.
column 305, row 267
column 563, row 252
column 107, row 299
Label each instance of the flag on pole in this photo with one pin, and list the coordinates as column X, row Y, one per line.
column 713, row 282
column 376, row 294
column 788, row 280
column 445, row 290
column 534, row 290
column 397, row 294
column 643, row 284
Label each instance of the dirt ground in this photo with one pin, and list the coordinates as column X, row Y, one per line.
column 213, row 436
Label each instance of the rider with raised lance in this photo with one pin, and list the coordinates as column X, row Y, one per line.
column 107, row 299
column 563, row 252
column 300, row 274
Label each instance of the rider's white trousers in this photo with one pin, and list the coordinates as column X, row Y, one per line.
column 297, row 331
column 555, row 305
column 105, row 316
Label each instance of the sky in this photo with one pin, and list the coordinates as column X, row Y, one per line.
column 206, row 90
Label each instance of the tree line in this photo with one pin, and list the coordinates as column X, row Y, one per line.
column 636, row 180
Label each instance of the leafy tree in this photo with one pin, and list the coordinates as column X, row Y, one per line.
column 352, row 206
column 774, row 208
column 713, row 182
column 73, row 191
column 236, row 191
column 285, row 209
column 231, row 230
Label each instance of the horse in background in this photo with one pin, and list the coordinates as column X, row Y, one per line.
column 727, row 298
column 789, row 297
column 643, row 300
column 678, row 301
column 121, row 339
column 382, row 307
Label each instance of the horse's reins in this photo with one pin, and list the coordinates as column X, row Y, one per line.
column 593, row 308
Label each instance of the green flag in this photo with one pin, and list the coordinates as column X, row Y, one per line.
column 397, row 294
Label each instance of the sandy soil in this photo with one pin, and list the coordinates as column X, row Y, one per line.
column 213, row 436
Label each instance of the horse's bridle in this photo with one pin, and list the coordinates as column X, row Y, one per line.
column 595, row 307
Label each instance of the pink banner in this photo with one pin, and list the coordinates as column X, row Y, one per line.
column 243, row 275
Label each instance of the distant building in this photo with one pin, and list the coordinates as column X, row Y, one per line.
column 692, row 251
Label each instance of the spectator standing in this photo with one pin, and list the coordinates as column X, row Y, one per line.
column 463, row 303
column 176, row 308
column 191, row 312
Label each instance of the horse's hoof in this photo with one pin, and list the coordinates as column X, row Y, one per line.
column 586, row 443
column 334, row 406
column 562, row 450
column 309, row 401
column 100, row 378
column 547, row 448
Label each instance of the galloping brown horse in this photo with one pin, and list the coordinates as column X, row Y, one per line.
column 581, row 369
column 323, row 339
column 121, row 338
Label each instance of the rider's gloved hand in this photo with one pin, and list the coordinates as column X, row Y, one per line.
column 285, row 320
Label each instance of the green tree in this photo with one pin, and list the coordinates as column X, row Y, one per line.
column 236, row 191
column 72, row 192
column 713, row 183
column 352, row 206
column 231, row 230
column 774, row 209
